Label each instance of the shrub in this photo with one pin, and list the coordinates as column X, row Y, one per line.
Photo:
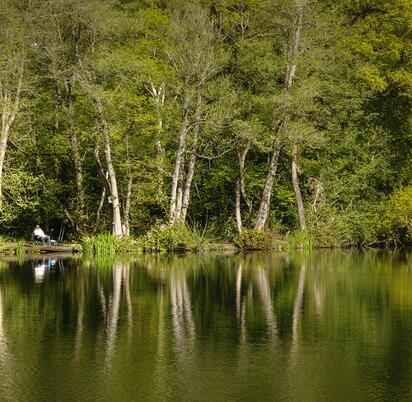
column 333, row 227
column 177, row 237
column 394, row 221
column 256, row 239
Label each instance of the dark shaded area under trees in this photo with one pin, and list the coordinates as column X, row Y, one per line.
column 229, row 116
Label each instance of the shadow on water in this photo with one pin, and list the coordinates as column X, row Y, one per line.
column 167, row 327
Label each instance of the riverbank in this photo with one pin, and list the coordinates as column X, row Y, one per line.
column 22, row 248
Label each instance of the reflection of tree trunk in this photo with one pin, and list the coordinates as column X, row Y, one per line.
column 183, row 324
column 113, row 313
column 161, row 363
column 7, row 370
column 238, row 290
column 3, row 339
column 297, row 307
column 126, row 285
column 264, row 290
column 243, row 333
column 80, row 315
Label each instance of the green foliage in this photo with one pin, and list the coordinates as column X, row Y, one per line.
column 254, row 239
column 20, row 250
column 147, row 62
column 177, row 237
column 301, row 239
column 100, row 245
column 351, row 226
column 394, row 221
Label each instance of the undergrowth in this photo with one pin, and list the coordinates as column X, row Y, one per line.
column 100, row 245
column 301, row 239
column 177, row 237
column 256, row 239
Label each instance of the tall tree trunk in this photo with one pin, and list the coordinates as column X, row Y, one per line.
column 188, row 185
column 126, row 218
column 267, row 190
column 290, row 75
column 178, row 165
column 99, row 210
column 238, row 207
column 74, row 141
column 114, row 194
column 179, row 196
column 3, row 146
column 296, row 188
column 292, row 65
column 158, row 95
column 10, row 106
column 242, row 161
column 240, row 188
column 192, row 162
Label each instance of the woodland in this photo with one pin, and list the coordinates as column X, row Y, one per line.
column 226, row 119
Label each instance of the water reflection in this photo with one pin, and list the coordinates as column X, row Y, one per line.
column 255, row 326
column 41, row 266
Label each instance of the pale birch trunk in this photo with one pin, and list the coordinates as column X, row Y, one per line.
column 179, row 197
column 192, row 162
column 126, row 217
column 188, row 185
column 267, row 190
column 74, row 142
column 158, row 95
column 290, row 75
column 296, row 188
column 178, row 166
column 114, row 194
column 10, row 106
column 290, row 78
column 240, row 188
column 238, row 208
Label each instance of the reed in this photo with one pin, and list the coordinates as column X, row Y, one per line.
column 100, row 245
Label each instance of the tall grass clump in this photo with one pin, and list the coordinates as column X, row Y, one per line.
column 100, row 245
column 177, row 237
column 20, row 250
column 301, row 239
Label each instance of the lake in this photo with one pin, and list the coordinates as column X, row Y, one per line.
column 328, row 326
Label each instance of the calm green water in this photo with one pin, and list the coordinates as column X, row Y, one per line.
column 332, row 326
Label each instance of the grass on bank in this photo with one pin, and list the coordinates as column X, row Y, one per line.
column 178, row 237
